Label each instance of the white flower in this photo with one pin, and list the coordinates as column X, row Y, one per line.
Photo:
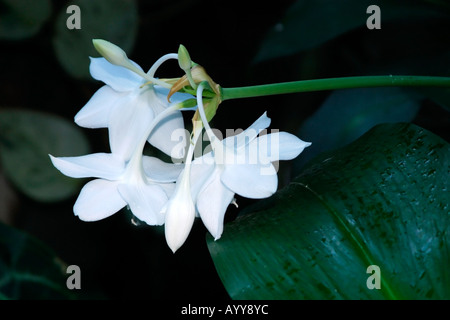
column 133, row 106
column 135, row 110
column 241, row 165
column 127, row 104
column 143, row 183
column 180, row 209
column 179, row 214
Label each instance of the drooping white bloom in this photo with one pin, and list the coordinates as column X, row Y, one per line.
column 179, row 215
column 135, row 110
column 127, row 103
column 180, row 210
column 141, row 182
column 241, row 165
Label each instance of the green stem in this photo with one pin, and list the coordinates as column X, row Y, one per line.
column 332, row 84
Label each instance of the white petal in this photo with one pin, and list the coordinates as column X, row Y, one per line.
column 129, row 122
column 95, row 114
column 249, row 134
column 169, row 133
column 212, row 203
column 168, row 188
column 279, row 146
column 99, row 165
column 179, row 216
column 119, row 78
column 251, row 180
column 160, row 171
column 145, row 201
column 201, row 170
column 98, row 199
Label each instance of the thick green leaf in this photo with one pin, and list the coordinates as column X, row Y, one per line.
column 346, row 114
column 308, row 24
column 23, row 18
column 28, row 269
column 382, row 200
column 112, row 20
column 26, row 140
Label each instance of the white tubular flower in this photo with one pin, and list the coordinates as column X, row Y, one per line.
column 180, row 209
column 241, row 165
column 143, row 183
column 128, row 102
column 119, row 184
column 179, row 214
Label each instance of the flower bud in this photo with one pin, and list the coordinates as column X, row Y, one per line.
column 184, row 60
column 179, row 214
column 116, row 55
column 111, row 52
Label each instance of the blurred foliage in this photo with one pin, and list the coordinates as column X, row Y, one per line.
column 348, row 114
column 114, row 20
column 308, row 24
column 26, row 140
column 23, row 18
column 44, row 71
column 28, row 269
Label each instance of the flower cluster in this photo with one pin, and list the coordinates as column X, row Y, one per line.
column 137, row 108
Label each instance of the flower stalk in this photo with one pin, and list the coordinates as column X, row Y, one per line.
column 333, row 84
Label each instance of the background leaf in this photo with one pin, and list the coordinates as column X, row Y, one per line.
column 438, row 95
column 308, row 24
column 28, row 269
column 23, row 18
column 26, row 139
column 382, row 200
column 347, row 114
column 112, row 20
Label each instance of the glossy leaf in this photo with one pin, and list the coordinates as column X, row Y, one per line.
column 28, row 269
column 112, row 20
column 26, row 140
column 308, row 24
column 382, row 200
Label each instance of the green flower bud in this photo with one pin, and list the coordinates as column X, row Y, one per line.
column 184, row 60
column 116, row 55
column 111, row 52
